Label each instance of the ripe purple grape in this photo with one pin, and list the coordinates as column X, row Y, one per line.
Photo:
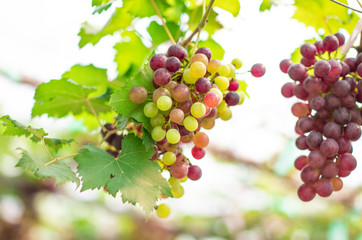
column 352, row 131
column 162, row 77
column 179, row 170
column 324, row 187
column 341, row 116
column 317, row 103
column 308, row 50
column 336, row 68
column 329, row 147
column 287, row 90
column 319, row 46
column 301, row 162
column 332, row 102
column 194, row 173
column 300, row 92
column 285, row 64
column 297, row 72
column 233, row 85
column 322, row 68
column 172, row 64
column 232, row 98
column 340, row 38
column 352, row 63
column 305, row 124
column 332, row 130
column 346, row 162
column 345, row 69
column 330, row 170
column 330, row 43
column 203, row 85
column 312, row 85
column 258, row 70
column 306, row 192
column 341, row 88
column 206, row 51
column 301, row 142
column 177, row 51
column 314, row 139
column 316, row 159
column 309, row 175
column 157, row 61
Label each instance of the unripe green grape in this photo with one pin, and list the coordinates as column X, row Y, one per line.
column 242, row 97
column 198, row 109
column 174, row 182
column 226, row 114
column 173, row 136
column 222, row 107
column 158, row 120
column 222, row 82
column 188, row 78
column 158, row 133
column 169, row 158
column 178, row 191
column 150, row 110
column 198, row 69
column 159, row 92
column 163, row 210
column 237, row 63
column 223, row 70
column 232, row 71
column 164, row 103
column 190, row 123
column 213, row 66
column 183, row 179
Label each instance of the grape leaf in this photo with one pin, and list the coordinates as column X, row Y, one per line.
column 60, row 171
column 102, row 8
column 99, row 2
column 59, row 98
column 89, row 76
column 217, row 51
column 212, row 24
column 266, row 5
column 232, row 6
column 131, row 54
column 12, row 127
column 121, row 122
column 138, row 179
column 121, row 103
column 158, row 34
column 324, row 14
column 56, row 143
column 147, row 141
column 141, row 8
column 120, row 19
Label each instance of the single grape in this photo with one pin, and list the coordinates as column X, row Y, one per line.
column 163, row 210
column 213, row 66
column 199, row 57
column 329, row 147
column 234, row 85
column 206, row 51
column 188, row 78
column 169, row 158
column 330, row 43
column 232, row 98
column 150, row 110
column 198, row 153
column 223, row 70
column 341, row 88
column 312, row 85
column 177, row 51
column 332, row 130
column 300, row 109
column 352, row 63
column 322, row 68
column 309, row 175
column 306, row 192
column 300, row 92
column 285, row 64
column 337, row 183
column 336, row 68
column 198, row 69
column 172, row 64
column 181, row 93
column 158, row 120
column 316, row 159
column 178, row 191
column 226, row 114
column 177, row 116
column 356, row 116
column 179, row 170
column 352, row 131
column 297, row 72
column 341, row 116
column 159, row 92
column 185, row 106
column 191, row 123
column 314, row 139
column 301, row 142
column 201, row 140
column 330, row 170
column 158, row 133
column 203, row 85
column 317, row 103
column 194, row 173
column 301, row 162
column 305, row 124
column 308, row 50
column 324, row 187
column 173, row 136
column 308, row 61
column 208, row 123
column 348, row 101
column 258, row 70
column 217, row 91
column 237, row 63
column 332, row 102
column 345, row 69
column 157, row 61
column 222, row 82
column 340, row 38
column 164, row 103
column 162, row 77
column 198, row 110
column 346, row 162
column 319, row 46
column 138, row 94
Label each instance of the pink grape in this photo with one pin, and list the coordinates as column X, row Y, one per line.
column 194, row 173
column 257, row 70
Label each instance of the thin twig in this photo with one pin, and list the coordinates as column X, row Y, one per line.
column 360, row 4
column 60, row 158
column 163, row 22
column 46, row 149
column 95, row 114
column 201, row 24
column 346, row 6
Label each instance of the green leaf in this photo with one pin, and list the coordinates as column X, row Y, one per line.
column 147, row 140
column 131, row 53
column 89, row 76
column 137, row 178
column 141, row 8
column 99, row 2
column 121, row 103
column 56, row 143
column 266, row 5
column 59, row 98
column 158, row 34
column 60, row 171
column 121, row 122
column 324, row 14
column 217, row 51
column 212, row 25
column 120, row 20
column 102, row 8
column 242, row 87
column 232, row 6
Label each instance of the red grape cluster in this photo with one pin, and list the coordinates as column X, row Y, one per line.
column 190, row 93
column 329, row 115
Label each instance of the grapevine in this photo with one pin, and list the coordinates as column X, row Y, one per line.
column 329, row 113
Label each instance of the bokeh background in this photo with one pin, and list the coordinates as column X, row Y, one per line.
column 248, row 187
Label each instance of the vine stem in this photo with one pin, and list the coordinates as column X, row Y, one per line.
column 95, row 114
column 346, row 6
column 360, row 4
column 60, row 158
column 201, row 24
column 46, row 149
column 163, row 22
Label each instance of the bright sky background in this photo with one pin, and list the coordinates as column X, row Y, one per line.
column 39, row 39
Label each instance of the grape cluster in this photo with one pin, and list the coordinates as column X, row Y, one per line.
column 329, row 115
column 190, row 93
